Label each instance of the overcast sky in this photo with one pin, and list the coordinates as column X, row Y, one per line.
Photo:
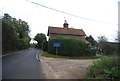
column 101, row 16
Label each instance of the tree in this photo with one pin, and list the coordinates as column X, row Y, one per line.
column 45, row 45
column 9, row 38
column 7, row 18
column 91, row 41
column 102, row 41
column 15, row 33
column 104, row 45
column 40, row 37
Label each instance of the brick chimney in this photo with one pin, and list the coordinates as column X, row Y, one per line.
column 65, row 25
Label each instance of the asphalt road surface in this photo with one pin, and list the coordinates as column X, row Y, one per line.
column 22, row 65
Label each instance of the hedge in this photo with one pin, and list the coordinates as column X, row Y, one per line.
column 105, row 68
column 69, row 46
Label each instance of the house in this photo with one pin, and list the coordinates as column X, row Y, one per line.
column 67, row 32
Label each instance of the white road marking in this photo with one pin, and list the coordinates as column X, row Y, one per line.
column 40, row 60
column 37, row 56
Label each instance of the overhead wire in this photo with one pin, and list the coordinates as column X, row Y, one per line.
column 70, row 13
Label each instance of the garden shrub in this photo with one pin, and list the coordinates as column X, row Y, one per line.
column 69, row 46
column 90, row 52
column 108, row 49
column 105, row 68
column 45, row 45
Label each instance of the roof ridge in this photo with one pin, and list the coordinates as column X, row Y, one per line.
column 54, row 27
column 75, row 29
column 63, row 28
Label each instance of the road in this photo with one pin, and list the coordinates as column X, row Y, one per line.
column 22, row 65
column 59, row 68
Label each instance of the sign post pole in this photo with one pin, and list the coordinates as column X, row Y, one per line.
column 56, row 50
column 56, row 45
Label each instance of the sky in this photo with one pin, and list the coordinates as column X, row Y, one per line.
column 96, row 17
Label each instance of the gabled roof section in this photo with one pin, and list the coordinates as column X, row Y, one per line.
column 69, row 31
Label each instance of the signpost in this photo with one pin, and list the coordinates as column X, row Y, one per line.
column 56, row 45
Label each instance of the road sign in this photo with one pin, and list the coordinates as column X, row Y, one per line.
column 56, row 44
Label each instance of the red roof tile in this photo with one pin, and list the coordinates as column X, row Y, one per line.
column 69, row 31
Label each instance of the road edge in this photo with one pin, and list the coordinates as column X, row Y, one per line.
column 38, row 57
column 13, row 52
column 47, row 70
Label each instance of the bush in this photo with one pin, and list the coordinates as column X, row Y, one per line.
column 69, row 46
column 108, row 49
column 45, row 45
column 90, row 52
column 105, row 68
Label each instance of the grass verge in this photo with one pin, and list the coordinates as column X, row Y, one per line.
column 105, row 68
column 66, row 57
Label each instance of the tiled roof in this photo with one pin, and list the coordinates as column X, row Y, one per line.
column 69, row 31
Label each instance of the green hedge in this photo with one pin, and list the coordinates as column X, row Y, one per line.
column 69, row 46
column 105, row 68
column 45, row 45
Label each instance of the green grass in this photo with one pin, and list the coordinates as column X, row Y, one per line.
column 66, row 57
column 101, row 53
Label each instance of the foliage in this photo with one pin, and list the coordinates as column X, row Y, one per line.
column 15, row 33
column 67, row 57
column 9, row 37
column 105, row 46
column 90, row 52
column 40, row 38
column 91, row 40
column 26, row 41
column 69, row 46
column 32, row 45
column 99, row 52
column 45, row 45
column 105, row 68
column 108, row 49
column 102, row 41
